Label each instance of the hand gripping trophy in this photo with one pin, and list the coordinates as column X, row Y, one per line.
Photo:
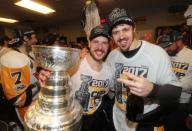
column 55, row 109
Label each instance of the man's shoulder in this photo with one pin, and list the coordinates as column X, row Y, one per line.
column 184, row 55
column 151, row 48
column 151, row 45
column 15, row 54
column 114, row 53
column 4, row 50
column 187, row 50
column 14, row 59
column 83, row 62
column 81, row 66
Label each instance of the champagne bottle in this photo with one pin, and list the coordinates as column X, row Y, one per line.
column 135, row 106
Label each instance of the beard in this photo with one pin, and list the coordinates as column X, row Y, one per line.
column 173, row 53
column 28, row 48
column 95, row 58
column 129, row 42
column 123, row 47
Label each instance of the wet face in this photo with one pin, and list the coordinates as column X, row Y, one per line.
column 33, row 40
column 123, row 36
column 30, row 41
column 99, row 47
column 173, row 49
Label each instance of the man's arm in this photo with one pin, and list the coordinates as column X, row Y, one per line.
column 140, row 86
column 167, row 95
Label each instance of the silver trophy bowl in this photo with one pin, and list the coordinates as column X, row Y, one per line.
column 55, row 109
column 55, row 58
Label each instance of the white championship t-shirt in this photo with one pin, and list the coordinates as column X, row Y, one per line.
column 90, row 86
column 153, row 63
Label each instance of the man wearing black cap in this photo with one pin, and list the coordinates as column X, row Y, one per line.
column 92, row 81
column 171, row 42
column 144, row 77
column 182, row 65
column 18, row 82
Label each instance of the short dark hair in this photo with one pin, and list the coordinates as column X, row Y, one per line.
column 18, row 35
column 4, row 38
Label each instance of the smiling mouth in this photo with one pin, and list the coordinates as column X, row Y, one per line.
column 123, row 42
column 99, row 52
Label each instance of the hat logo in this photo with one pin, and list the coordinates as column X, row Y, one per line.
column 116, row 13
column 99, row 31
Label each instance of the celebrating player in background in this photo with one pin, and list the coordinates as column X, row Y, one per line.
column 182, row 65
column 19, row 85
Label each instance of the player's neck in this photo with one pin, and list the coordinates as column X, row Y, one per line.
column 95, row 65
column 135, row 44
column 23, row 50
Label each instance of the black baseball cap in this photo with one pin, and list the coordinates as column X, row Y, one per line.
column 100, row 30
column 168, row 39
column 119, row 16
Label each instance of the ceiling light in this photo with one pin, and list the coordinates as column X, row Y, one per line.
column 34, row 6
column 8, row 20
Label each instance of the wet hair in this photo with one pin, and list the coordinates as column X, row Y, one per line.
column 18, row 35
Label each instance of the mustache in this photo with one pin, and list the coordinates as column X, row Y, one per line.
column 122, row 39
column 99, row 50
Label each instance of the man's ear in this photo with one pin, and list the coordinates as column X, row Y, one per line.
column 89, row 43
column 134, row 28
column 25, row 38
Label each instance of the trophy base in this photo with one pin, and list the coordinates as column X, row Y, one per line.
column 61, row 120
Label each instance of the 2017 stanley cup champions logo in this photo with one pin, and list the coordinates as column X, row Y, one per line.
column 119, row 69
column 180, row 68
column 90, row 92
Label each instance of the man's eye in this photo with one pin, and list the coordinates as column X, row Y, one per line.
column 114, row 33
column 126, row 29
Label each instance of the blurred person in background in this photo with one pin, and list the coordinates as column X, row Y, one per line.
column 4, row 105
column 20, row 87
column 23, row 39
column 51, row 39
column 182, row 66
column 30, row 38
column 63, row 41
column 54, row 39
column 147, row 36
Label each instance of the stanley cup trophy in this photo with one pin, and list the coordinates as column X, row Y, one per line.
column 55, row 109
